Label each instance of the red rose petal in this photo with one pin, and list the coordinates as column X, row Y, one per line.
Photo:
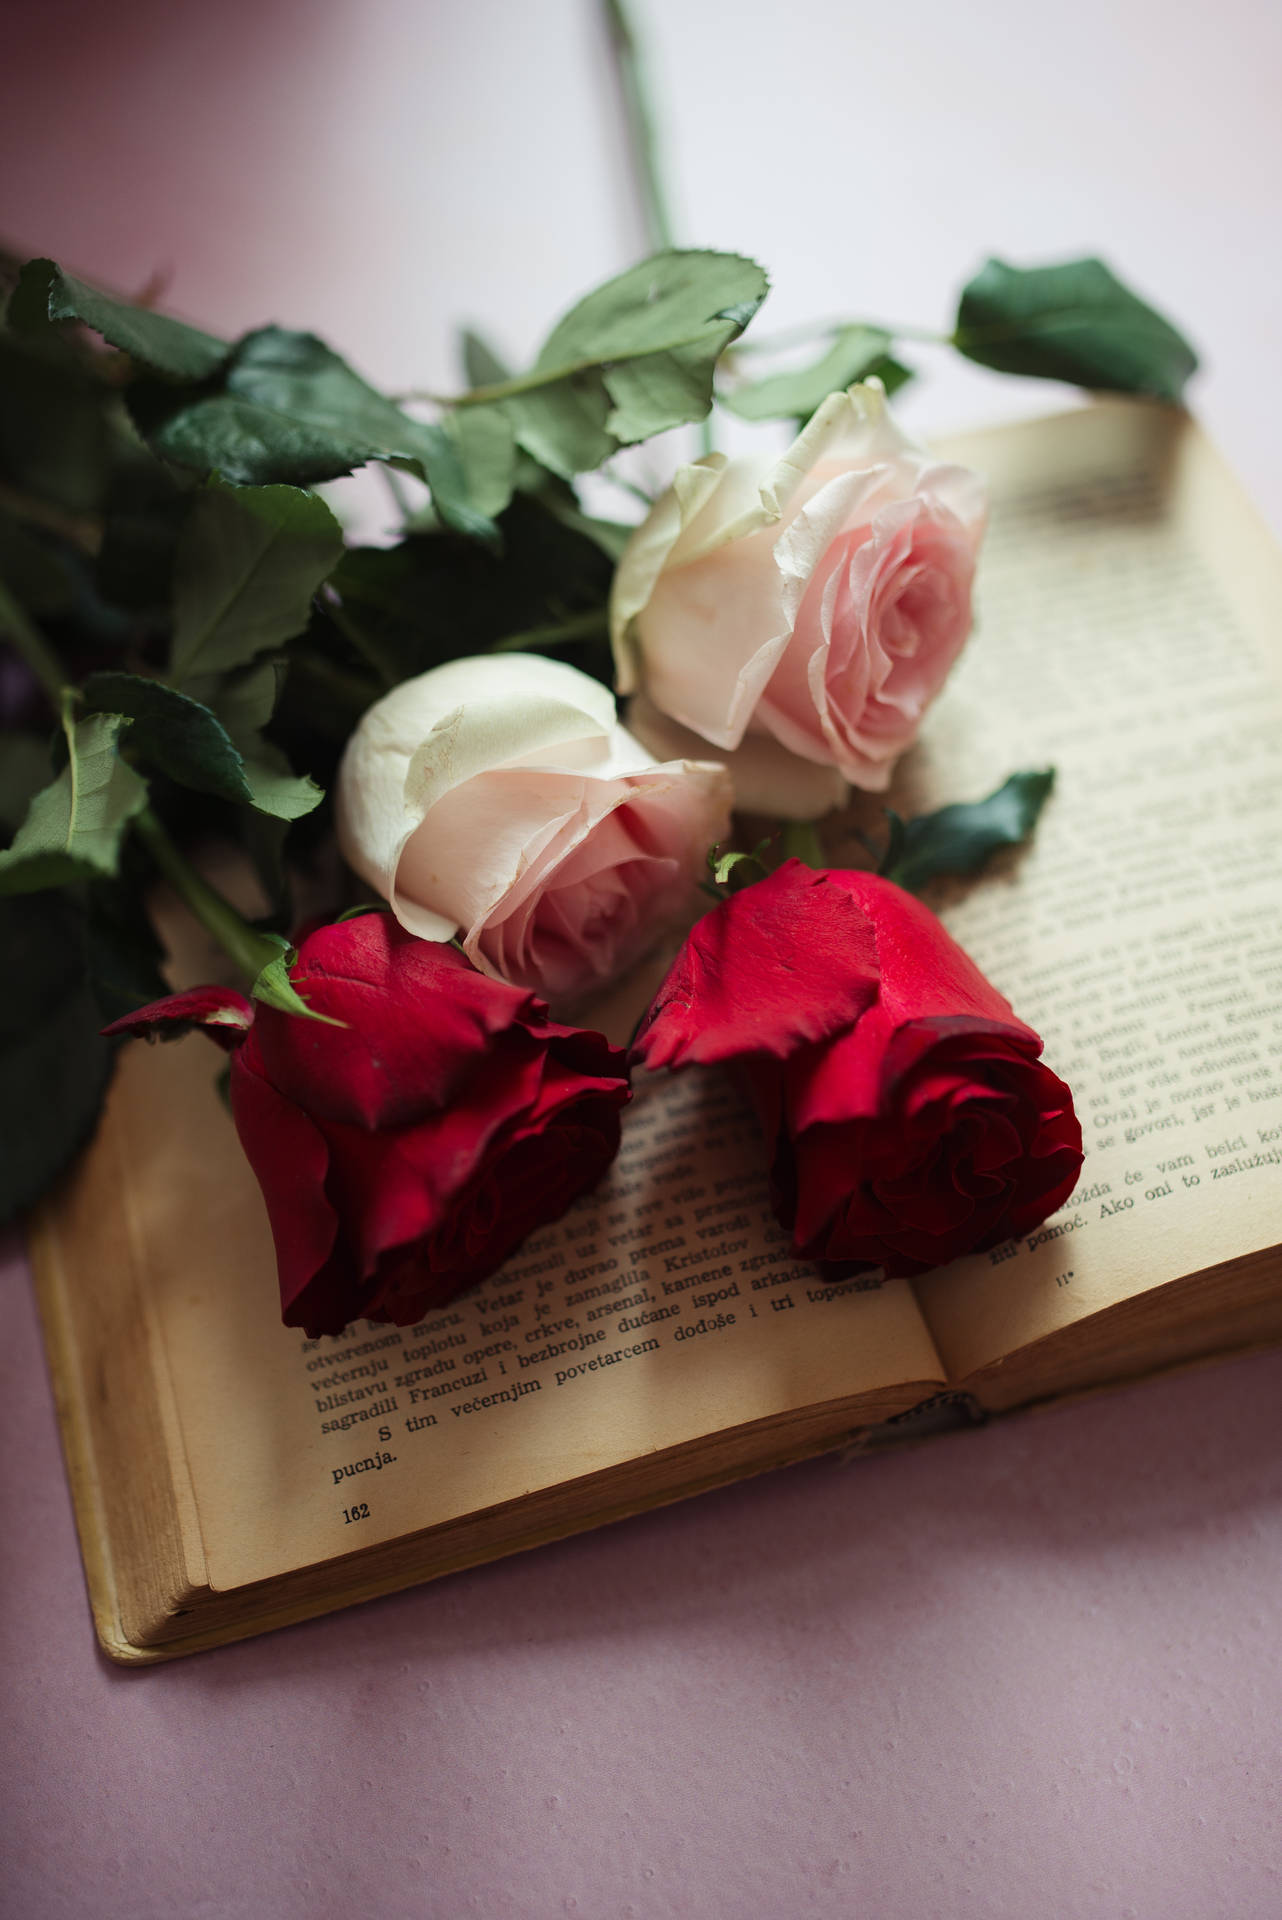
column 788, row 962
column 225, row 1015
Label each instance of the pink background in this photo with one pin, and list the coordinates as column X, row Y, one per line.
column 1029, row 1670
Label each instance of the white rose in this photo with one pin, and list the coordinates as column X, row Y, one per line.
column 803, row 613
column 498, row 798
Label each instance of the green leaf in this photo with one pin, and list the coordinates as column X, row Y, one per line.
column 135, row 563
column 249, row 560
column 123, row 955
column 296, row 376
column 731, row 871
column 958, row 839
column 35, row 569
column 24, row 769
column 53, row 426
column 54, row 1064
column 274, row 786
column 246, row 700
column 1074, row 322
column 856, row 353
column 482, row 367
column 74, row 827
column 247, row 445
column 185, row 740
column 563, row 425
column 275, row 988
column 486, row 447
column 631, row 359
column 45, row 295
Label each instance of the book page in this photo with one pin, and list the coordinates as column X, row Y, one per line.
column 665, row 1307
column 1130, row 632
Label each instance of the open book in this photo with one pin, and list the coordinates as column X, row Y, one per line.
column 230, row 1475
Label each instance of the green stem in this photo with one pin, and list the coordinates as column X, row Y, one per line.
column 32, row 645
column 643, row 148
column 629, row 63
column 580, row 626
column 799, row 840
column 355, row 634
column 798, row 336
column 348, row 694
column 251, row 951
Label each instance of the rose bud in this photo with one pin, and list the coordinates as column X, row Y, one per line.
column 499, row 799
column 908, row 1117
column 406, row 1153
column 811, row 609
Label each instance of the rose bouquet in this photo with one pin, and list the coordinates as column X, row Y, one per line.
column 454, row 831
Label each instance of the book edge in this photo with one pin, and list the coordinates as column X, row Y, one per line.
column 62, row 1358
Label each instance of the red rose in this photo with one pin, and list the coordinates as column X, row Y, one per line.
column 404, row 1154
column 908, row 1115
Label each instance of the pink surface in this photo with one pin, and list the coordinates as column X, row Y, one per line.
column 1029, row 1670
column 1033, row 1670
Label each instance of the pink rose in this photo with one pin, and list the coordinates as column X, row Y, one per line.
column 814, row 608
column 499, row 799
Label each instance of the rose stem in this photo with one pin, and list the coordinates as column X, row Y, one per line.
column 643, row 146
column 32, row 645
column 250, row 950
column 643, row 151
column 799, row 840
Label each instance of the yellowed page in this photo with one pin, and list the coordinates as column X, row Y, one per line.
column 663, row 1308
column 1130, row 631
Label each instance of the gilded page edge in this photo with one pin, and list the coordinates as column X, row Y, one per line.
column 63, row 1359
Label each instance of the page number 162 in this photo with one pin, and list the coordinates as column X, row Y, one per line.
column 356, row 1513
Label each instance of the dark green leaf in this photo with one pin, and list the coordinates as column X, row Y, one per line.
column 135, row 563
column 46, row 294
column 53, row 427
column 74, row 827
column 24, row 769
column 297, row 377
column 437, row 598
column 247, row 445
column 1073, row 322
column 124, row 957
column 856, row 353
column 35, row 569
column 249, row 561
column 54, row 1064
column 958, row 839
column 185, row 740
column 243, row 701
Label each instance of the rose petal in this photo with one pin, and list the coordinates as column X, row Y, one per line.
column 787, row 962
column 290, row 1161
column 225, row 1015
